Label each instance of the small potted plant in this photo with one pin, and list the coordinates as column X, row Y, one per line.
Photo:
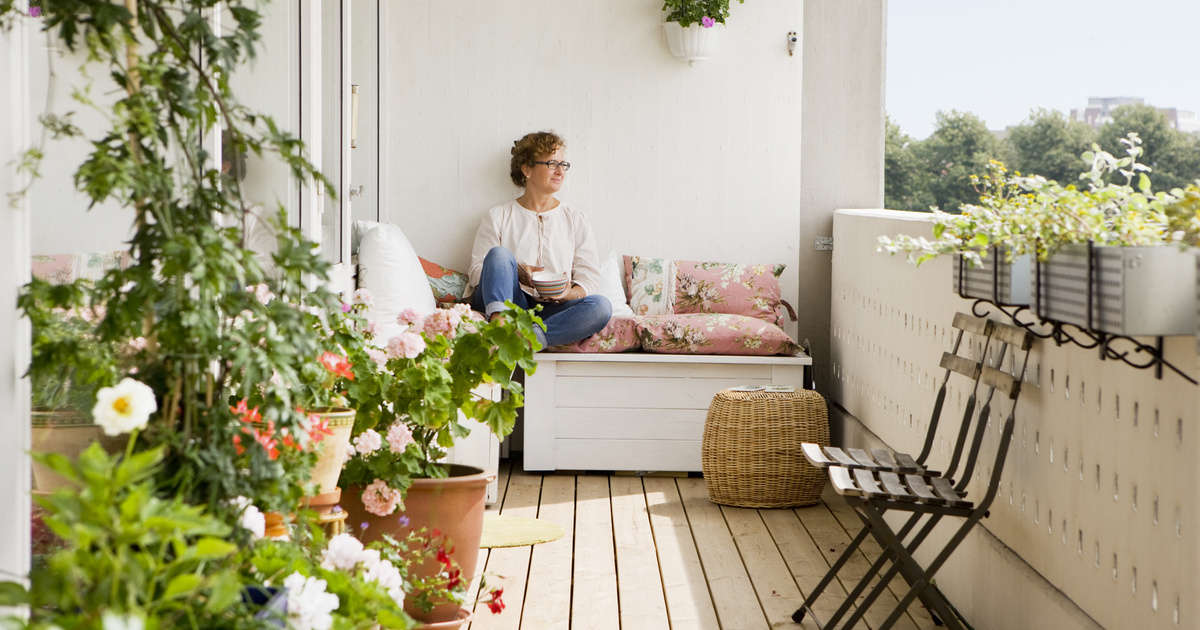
column 689, row 27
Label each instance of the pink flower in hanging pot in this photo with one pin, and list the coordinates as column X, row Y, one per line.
column 707, row 22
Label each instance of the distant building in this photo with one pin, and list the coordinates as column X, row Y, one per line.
column 1099, row 111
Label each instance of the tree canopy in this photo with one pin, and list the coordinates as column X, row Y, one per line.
column 936, row 171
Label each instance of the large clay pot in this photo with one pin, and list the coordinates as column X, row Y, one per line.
column 328, row 468
column 453, row 506
column 463, row 617
column 67, row 433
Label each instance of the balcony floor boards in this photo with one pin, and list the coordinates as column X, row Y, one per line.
column 648, row 553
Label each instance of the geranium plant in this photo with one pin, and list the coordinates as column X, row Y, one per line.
column 706, row 13
column 1114, row 205
column 428, row 378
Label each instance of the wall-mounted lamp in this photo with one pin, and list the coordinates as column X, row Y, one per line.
column 353, row 116
column 792, row 39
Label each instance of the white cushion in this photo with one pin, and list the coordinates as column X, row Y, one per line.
column 388, row 267
column 358, row 230
column 611, row 273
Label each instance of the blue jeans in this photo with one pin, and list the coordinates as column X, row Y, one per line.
column 565, row 323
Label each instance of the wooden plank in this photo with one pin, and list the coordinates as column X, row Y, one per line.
column 891, row 481
column 843, row 483
column 643, row 392
column 842, row 458
column 945, row 491
column 1018, row 337
column 804, row 560
column 639, row 584
column 627, row 455
column 548, row 594
column 863, row 458
column 962, row 365
column 970, row 323
column 663, row 370
column 594, row 592
column 638, row 424
column 649, row 357
column 815, row 455
column 917, row 484
column 885, row 458
column 777, row 591
column 732, row 591
column 689, row 605
column 539, row 417
column 1003, row 383
column 508, row 568
column 502, row 475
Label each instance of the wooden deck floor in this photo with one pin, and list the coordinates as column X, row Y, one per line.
column 649, row 553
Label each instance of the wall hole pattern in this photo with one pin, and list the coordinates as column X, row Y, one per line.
column 885, row 364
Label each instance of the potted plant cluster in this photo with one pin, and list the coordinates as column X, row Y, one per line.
column 689, row 27
column 426, row 383
column 1098, row 251
column 217, row 369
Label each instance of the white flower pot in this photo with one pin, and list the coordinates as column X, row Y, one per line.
column 691, row 44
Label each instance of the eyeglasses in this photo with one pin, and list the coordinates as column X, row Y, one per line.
column 555, row 164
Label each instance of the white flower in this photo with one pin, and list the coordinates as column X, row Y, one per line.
column 112, row 621
column 251, row 518
column 368, row 442
column 124, row 407
column 343, row 553
column 309, row 607
column 363, row 296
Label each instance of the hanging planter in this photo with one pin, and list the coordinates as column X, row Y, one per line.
column 691, row 43
column 999, row 282
column 1119, row 290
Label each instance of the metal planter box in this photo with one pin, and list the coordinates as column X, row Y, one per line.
column 1133, row 290
column 995, row 280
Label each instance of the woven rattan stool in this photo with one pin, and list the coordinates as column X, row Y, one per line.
column 751, row 453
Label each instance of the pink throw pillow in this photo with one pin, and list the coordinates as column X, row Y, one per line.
column 711, row 287
column 620, row 335
column 701, row 333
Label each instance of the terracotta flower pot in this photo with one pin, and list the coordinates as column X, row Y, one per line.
column 452, row 506
column 67, row 433
column 463, row 617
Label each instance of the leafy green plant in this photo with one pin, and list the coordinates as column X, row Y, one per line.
column 703, row 12
column 1032, row 215
column 427, row 379
column 128, row 554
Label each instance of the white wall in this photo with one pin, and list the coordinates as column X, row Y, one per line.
column 15, row 481
column 1095, row 523
column 668, row 160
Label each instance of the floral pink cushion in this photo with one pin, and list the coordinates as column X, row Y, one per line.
column 660, row 286
column 619, row 335
column 700, row 333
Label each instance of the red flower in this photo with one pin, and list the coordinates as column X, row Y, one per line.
column 318, row 428
column 337, row 364
column 495, row 604
column 444, row 557
column 455, row 579
column 245, row 414
column 237, row 444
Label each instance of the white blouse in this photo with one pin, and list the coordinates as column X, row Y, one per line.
column 561, row 240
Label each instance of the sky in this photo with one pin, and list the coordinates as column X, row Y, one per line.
column 1001, row 60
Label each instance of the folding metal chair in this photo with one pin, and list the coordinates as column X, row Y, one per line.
column 872, row 493
column 957, row 361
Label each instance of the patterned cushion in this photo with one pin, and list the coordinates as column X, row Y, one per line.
column 659, row 286
column 620, row 335
column 699, row 333
column 448, row 285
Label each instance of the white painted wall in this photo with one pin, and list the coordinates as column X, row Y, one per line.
column 668, row 160
column 1095, row 523
column 15, row 481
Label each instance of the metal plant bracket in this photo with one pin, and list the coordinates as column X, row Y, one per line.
column 1116, row 347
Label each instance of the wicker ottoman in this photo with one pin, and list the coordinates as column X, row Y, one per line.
column 751, row 453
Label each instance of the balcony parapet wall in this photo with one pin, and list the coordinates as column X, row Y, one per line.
column 1099, row 494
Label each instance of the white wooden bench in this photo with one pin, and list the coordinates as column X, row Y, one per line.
column 634, row 411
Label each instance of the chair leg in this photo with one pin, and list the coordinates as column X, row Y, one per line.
column 848, row 553
column 907, row 567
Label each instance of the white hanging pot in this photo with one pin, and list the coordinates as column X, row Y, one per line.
column 691, row 44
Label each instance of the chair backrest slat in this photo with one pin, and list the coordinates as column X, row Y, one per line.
column 961, row 365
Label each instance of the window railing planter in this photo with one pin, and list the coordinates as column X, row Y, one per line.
column 994, row 278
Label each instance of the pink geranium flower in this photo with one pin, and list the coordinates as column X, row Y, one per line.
column 399, row 436
column 707, row 22
column 379, row 499
column 405, row 345
column 409, row 317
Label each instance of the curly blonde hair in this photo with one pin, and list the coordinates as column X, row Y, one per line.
column 531, row 148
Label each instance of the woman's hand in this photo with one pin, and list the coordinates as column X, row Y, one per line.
column 576, row 292
column 525, row 274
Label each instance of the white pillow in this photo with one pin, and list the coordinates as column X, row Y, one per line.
column 611, row 273
column 358, row 230
column 388, row 267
